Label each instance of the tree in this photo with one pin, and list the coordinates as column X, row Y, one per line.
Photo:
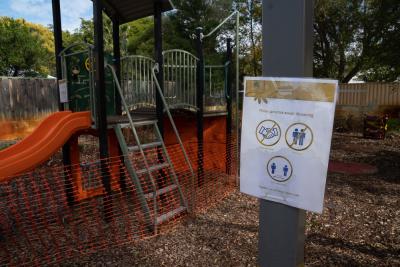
column 250, row 35
column 85, row 33
column 181, row 25
column 133, row 35
column 351, row 36
column 21, row 50
column 140, row 37
column 137, row 37
column 48, row 62
column 384, row 63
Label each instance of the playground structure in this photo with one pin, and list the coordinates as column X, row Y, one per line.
column 166, row 147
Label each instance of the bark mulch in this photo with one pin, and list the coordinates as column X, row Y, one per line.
column 360, row 225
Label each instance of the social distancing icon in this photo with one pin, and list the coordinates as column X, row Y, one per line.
column 299, row 136
column 280, row 169
column 268, row 133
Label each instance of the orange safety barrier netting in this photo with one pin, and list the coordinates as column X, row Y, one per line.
column 39, row 224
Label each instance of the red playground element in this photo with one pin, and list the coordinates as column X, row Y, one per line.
column 352, row 168
column 214, row 140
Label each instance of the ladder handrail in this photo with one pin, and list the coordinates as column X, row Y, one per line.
column 164, row 101
column 132, row 124
column 156, row 68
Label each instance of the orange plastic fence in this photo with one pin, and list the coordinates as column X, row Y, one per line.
column 77, row 179
column 39, row 226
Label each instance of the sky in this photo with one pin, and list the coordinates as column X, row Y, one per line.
column 40, row 11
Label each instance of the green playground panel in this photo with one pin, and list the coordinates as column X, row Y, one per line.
column 78, row 67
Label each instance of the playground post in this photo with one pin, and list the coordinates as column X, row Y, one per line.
column 287, row 52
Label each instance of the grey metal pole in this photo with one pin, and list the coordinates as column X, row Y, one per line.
column 229, row 106
column 237, row 96
column 287, row 52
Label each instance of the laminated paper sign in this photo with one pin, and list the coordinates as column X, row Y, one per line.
column 286, row 138
column 63, row 90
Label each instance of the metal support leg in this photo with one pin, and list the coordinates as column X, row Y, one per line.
column 200, row 106
column 100, row 100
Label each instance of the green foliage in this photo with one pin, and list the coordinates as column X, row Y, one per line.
column 250, row 36
column 23, row 49
column 181, row 26
column 357, row 37
column 136, row 37
column 85, row 33
column 384, row 64
column 352, row 38
column 48, row 63
column 140, row 39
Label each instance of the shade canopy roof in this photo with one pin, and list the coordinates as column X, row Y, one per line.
column 129, row 10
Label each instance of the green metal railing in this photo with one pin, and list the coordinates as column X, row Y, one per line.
column 137, row 82
column 180, row 80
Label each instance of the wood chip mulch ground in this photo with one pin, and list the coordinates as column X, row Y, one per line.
column 360, row 225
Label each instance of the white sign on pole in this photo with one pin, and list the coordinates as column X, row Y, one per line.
column 286, row 138
column 63, row 90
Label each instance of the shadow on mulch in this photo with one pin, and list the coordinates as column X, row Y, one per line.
column 381, row 253
column 388, row 164
column 338, row 259
column 335, row 259
column 363, row 183
column 230, row 226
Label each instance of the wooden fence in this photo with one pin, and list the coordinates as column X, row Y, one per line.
column 369, row 94
column 31, row 99
column 27, row 98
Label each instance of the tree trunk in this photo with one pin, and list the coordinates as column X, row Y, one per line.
column 353, row 72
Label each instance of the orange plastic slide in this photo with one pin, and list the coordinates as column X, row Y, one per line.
column 38, row 147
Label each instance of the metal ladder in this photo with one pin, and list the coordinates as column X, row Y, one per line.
column 149, row 170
